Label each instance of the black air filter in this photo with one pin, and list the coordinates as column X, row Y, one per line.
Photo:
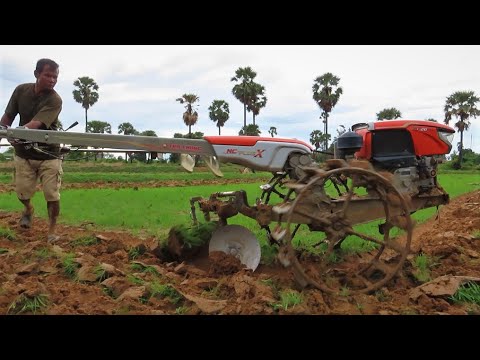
column 350, row 142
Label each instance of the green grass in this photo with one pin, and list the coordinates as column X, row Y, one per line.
column 166, row 291
column 195, row 235
column 344, row 291
column 101, row 166
column 214, row 292
column 152, row 209
column 454, row 185
column 7, row 234
column 100, row 273
column 44, row 253
column 422, row 265
column 145, row 269
column 140, row 173
column 135, row 252
column 85, row 241
column 135, row 280
column 467, row 293
column 70, row 267
column 382, row 296
column 457, row 184
column 181, row 310
column 288, row 299
column 70, row 178
column 25, row 304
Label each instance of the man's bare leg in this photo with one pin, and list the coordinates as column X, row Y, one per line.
column 53, row 212
column 27, row 216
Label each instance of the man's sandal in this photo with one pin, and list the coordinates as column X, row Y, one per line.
column 52, row 238
column 26, row 220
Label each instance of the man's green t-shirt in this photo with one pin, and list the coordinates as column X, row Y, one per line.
column 44, row 107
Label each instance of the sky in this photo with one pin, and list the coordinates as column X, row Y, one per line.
column 140, row 83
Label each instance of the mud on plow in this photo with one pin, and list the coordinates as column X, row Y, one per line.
column 381, row 171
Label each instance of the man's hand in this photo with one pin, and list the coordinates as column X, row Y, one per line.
column 10, row 140
column 15, row 141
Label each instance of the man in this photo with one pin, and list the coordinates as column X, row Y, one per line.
column 39, row 106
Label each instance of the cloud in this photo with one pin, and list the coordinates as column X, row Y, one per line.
column 139, row 83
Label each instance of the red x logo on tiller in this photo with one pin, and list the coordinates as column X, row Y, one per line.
column 259, row 153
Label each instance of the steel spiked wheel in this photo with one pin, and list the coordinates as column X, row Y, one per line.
column 369, row 261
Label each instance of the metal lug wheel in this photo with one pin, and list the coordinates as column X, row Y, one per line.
column 346, row 258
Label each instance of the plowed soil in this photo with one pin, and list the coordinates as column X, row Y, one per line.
column 119, row 274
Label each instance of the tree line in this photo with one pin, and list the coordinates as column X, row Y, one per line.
column 326, row 92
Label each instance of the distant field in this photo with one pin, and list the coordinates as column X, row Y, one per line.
column 79, row 172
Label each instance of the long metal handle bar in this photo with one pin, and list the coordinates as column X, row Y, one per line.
column 133, row 142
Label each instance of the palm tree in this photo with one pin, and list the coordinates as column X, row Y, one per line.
column 219, row 112
column 272, row 131
column 462, row 105
column 99, row 127
column 127, row 129
column 250, row 130
column 389, row 114
column 258, row 100
column 148, row 133
column 243, row 90
column 86, row 94
column 174, row 157
column 190, row 117
column 326, row 93
column 153, row 154
column 317, row 138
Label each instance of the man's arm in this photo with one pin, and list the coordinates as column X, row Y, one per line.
column 35, row 124
column 7, row 120
column 45, row 117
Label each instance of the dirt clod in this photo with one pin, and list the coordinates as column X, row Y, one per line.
column 224, row 264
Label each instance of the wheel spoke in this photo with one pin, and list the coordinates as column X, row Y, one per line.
column 295, row 186
column 349, row 197
column 365, row 237
column 382, row 266
column 311, row 216
column 367, row 282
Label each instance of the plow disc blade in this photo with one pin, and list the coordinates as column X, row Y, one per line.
column 238, row 241
column 187, row 162
column 213, row 164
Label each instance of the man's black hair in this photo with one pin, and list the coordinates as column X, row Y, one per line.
column 42, row 62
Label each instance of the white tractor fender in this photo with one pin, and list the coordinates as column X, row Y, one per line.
column 258, row 153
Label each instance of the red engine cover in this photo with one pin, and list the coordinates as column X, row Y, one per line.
column 425, row 137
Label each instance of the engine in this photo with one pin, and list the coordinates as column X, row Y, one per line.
column 417, row 179
column 408, row 149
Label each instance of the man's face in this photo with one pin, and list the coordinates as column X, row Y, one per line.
column 47, row 79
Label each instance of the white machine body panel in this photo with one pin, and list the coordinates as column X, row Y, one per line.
column 263, row 154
